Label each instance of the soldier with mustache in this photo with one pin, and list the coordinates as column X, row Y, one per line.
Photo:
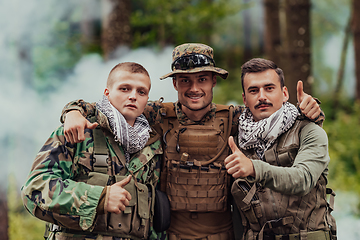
column 280, row 164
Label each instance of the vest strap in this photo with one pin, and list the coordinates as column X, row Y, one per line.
column 274, row 224
column 197, row 207
column 250, row 195
column 101, row 155
column 196, row 181
column 231, row 114
column 196, row 194
column 300, row 214
column 330, row 218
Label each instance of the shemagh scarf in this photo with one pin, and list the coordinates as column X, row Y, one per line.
column 131, row 138
column 260, row 135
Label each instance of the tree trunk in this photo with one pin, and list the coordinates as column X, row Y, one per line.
column 272, row 31
column 247, row 34
column 116, row 28
column 356, row 33
column 4, row 223
column 340, row 75
column 209, row 26
column 297, row 65
column 90, row 36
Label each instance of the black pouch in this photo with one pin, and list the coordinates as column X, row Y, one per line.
column 161, row 220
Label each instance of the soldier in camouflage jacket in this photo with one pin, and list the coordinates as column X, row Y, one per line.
column 56, row 192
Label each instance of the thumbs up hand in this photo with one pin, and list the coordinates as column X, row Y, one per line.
column 237, row 164
column 118, row 198
column 307, row 103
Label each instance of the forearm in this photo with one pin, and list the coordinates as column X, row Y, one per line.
column 85, row 108
column 75, row 206
column 311, row 161
column 292, row 180
column 51, row 194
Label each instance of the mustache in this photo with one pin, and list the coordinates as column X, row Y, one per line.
column 263, row 103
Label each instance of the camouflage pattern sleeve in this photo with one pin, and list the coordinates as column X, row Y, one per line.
column 50, row 192
column 319, row 119
column 238, row 110
column 152, row 112
column 85, row 108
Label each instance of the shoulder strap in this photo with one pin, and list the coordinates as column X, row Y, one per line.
column 100, row 149
column 221, row 107
column 168, row 109
column 228, row 132
column 154, row 136
column 101, row 152
column 169, row 117
column 117, row 149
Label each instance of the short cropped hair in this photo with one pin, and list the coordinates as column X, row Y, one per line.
column 130, row 67
column 260, row 65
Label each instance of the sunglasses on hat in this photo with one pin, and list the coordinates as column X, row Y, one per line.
column 192, row 61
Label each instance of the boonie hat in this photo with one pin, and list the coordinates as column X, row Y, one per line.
column 193, row 58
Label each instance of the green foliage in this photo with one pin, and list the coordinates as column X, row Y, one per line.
column 229, row 91
column 22, row 225
column 54, row 60
column 328, row 22
column 177, row 21
column 344, row 150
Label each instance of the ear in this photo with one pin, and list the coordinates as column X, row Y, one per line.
column 175, row 83
column 106, row 92
column 214, row 80
column 286, row 94
column 244, row 99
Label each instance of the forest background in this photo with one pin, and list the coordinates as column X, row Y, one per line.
column 53, row 52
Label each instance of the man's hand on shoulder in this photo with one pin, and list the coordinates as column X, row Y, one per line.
column 307, row 104
column 237, row 164
column 75, row 125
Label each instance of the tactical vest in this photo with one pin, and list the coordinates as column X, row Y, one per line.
column 268, row 212
column 194, row 175
column 133, row 222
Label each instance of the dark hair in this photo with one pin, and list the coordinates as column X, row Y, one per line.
column 131, row 67
column 259, row 65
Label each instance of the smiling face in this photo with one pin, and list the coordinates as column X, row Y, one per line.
column 195, row 92
column 128, row 93
column 263, row 93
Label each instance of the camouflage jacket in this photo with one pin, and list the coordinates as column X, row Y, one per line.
column 51, row 192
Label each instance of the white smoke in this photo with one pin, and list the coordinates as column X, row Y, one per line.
column 27, row 117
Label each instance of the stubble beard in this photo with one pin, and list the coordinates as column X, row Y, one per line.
column 197, row 109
